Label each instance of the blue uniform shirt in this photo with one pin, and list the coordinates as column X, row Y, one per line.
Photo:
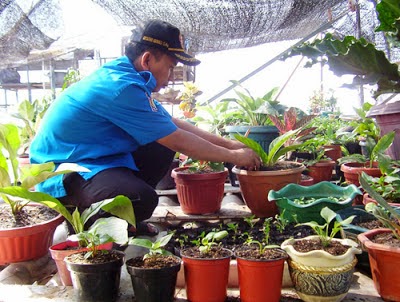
column 98, row 121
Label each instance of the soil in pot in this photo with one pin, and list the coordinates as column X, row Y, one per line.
column 27, row 217
column 334, row 248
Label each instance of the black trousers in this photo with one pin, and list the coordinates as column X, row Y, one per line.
column 153, row 161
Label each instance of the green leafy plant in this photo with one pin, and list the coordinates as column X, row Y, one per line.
column 31, row 115
column 251, row 220
column 384, row 212
column 103, row 230
column 276, row 148
column 201, row 166
column 263, row 247
column 281, row 222
column 267, row 229
column 255, row 111
column 155, row 248
column 376, row 151
column 325, row 232
column 210, row 239
column 387, row 185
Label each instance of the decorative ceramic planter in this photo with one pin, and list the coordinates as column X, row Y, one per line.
column 321, row 171
column 255, row 186
column 96, row 282
column 284, row 199
column 154, row 284
column 385, row 263
column 320, row 276
column 200, row 193
column 63, row 249
column 27, row 243
column 263, row 135
column 206, row 279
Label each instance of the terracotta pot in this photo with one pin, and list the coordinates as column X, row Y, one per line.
column 334, row 152
column 255, row 186
column 206, row 279
column 321, row 171
column 63, row 249
column 200, row 193
column 260, row 280
column 306, row 180
column 352, row 171
column 316, row 274
column 27, row 243
column 368, row 199
column 385, row 263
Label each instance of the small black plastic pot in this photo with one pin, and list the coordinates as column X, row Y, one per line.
column 154, row 285
column 96, row 282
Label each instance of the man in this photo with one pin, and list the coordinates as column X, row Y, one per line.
column 109, row 124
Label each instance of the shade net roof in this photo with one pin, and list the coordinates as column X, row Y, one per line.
column 207, row 25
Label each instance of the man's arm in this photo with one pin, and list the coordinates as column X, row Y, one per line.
column 195, row 146
column 212, row 138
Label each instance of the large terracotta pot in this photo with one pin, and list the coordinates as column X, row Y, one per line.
column 320, row 276
column 200, row 193
column 385, row 262
column 63, row 249
column 255, row 186
column 27, row 243
column 352, row 171
column 321, row 171
column 206, row 279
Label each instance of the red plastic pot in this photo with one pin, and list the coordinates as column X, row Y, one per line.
column 385, row 262
column 199, row 193
column 260, row 281
column 206, row 279
column 334, row 152
column 321, row 171
column 61, row 250
column 27, row 243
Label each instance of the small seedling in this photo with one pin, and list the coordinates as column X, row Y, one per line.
column 251, row 220
column 210, row 239
column 267, row 229
column 262, row 248
column 281, row 222
column 155, row 248
column 323, row 230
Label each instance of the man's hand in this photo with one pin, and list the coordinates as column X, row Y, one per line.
column 247, row 158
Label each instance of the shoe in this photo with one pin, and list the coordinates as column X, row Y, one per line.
column 143, row 229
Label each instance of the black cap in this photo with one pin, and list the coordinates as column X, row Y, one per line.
column 167, row 37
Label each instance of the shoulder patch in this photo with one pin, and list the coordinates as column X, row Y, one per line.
column 153, row 106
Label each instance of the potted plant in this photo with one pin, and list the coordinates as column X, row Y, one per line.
column 352, row 165
column 154, row 275
column 320, row 168
column 317, row 262
column 29, row 226
column 272, row 175
column 303, row 204
column 383, row 245
column 255, row 115
column 206, row 269
column 260, row 271
column 200, row 186
column 119, row 206
column 98, row 267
